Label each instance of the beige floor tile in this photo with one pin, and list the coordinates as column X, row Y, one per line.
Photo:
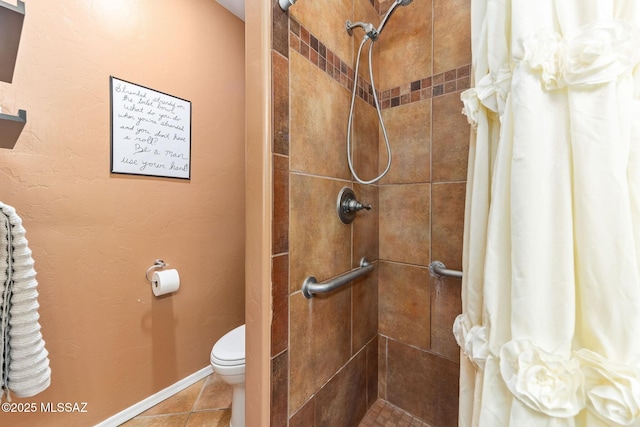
column 209, row 419
column 180, row 402
column 216, row 394
column 173, row 420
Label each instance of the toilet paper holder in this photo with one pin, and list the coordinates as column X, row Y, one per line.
column 157, row 265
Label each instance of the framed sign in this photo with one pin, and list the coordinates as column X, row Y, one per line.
column 150, row 132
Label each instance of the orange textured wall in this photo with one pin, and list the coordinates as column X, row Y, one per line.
column 94, row 234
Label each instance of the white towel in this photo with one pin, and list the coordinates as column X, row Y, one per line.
column 24, row 359
column 5, row 235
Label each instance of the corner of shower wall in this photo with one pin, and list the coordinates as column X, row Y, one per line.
column 422, row 205
column 280, row 218
column 324, row 351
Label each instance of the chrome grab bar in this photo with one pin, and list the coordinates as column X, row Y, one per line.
column 438, row 269
column 310, row 286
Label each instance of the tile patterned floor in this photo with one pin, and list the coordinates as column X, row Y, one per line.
column 208, row 402
column 205, row 403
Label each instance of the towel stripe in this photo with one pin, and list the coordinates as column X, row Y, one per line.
column 24, row 359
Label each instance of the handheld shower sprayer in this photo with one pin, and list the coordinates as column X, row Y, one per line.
column 371, row 33
column 390, row 11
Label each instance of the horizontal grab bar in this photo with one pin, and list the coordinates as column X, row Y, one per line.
column 310, row 286
column 438, row 269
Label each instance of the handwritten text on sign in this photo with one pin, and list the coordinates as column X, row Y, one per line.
column 150, row 132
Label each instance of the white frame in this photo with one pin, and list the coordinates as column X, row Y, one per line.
column 150, row 132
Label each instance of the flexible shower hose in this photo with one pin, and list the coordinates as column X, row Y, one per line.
column 375, row 98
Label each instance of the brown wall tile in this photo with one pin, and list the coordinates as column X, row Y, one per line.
column 280, row 222
column 365, row 226
column 280, row 298
column 409, row 132
column 319, row 242
column 404, row 303
column 364, row 146
column 405, row 223
column 325, row 19
column 383, row 6
column 405, row 45
column 280, row 276
column 450, row 145
column 279, row 325
column 279, row 390
column 280, row 104
column 451, row 34
column 280, row 32
column 382, row 366
column 445, row 306
column 305, row 417
column 342, row 401
column 447, row 223
column 423, row 384
column 365, row 310
column 320, row 341
column 319, row 110
column 372, row 371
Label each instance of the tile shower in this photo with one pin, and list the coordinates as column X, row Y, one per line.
column 387, row 335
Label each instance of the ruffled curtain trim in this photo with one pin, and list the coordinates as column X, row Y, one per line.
column 613, row 389
column 471, row 106
column 472, row 340
column 602, row 52
column 545, row 382
column 490, row 93
column 555, row 385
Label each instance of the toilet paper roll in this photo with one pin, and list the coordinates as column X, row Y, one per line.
column 165, row 281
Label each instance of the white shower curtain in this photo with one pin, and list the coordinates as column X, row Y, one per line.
column 550, row 329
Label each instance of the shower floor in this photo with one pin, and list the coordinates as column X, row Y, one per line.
column 384, row 414
column 207, row 403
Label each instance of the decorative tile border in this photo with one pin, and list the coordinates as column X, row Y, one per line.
column 429, row 87
column 306, row 44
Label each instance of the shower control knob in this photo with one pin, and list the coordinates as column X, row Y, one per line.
column 348, row 205
column 354, row 206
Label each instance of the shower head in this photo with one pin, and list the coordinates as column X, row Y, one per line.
column 390, row 11
column 371, row 32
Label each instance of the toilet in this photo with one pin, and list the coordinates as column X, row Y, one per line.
column 228, row 361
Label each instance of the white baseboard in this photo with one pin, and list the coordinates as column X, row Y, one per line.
column 153, row 400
